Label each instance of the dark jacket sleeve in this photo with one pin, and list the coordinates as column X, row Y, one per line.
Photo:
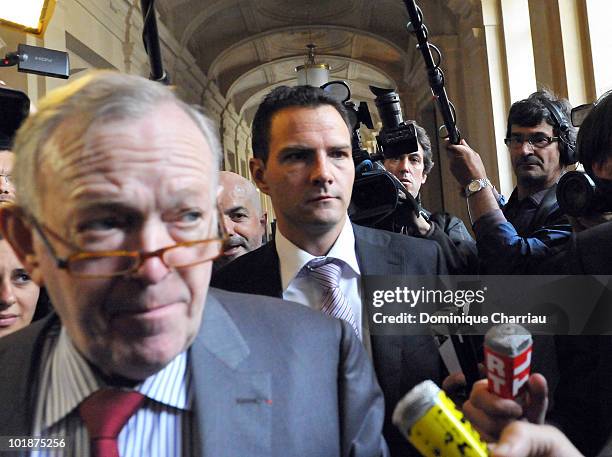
column 587, row 252
column 458, row 247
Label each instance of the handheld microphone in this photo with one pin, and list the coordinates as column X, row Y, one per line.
column 434, row 426
column 507, row 354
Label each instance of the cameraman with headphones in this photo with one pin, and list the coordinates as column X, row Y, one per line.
column 540, row 139
column 583, row 398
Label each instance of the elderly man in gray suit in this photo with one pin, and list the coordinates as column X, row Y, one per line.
column 141, row 357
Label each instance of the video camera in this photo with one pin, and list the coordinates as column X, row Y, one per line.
column 379, row 199
column 396, row 136
column 14, row 108
column 579, row 194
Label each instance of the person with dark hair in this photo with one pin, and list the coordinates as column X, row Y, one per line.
column 589, row 251
column 458, row 246
column 288, row 97
column 583, row 397
column 18, row 293
column 303, row 161
column 14, row 108
column 21, row 300
column 540, row 141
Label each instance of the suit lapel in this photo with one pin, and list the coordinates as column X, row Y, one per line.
column 373, row 257
column 20, row 361
column 395, row 357
column 267, row 278
column 233, row 414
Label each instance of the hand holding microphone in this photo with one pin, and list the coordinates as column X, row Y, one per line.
column 490, row 413
column 509, row 393
column 434, row 426
column 521, row 439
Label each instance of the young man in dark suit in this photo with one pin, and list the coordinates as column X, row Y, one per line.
column 303, row 161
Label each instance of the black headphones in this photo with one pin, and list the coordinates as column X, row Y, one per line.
column 567, row 147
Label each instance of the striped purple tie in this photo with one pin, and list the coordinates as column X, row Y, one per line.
column 327, row 273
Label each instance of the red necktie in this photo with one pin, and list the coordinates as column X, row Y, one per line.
column 104, row 413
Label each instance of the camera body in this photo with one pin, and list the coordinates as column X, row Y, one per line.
column 14, row 108
column 578, row 194
column 379, row 199
column 396, row 136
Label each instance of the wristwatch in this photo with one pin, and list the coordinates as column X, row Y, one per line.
column 476, row 185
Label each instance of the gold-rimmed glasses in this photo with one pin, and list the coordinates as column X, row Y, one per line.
column 106, row 264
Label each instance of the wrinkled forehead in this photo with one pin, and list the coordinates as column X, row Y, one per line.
column 164, row 152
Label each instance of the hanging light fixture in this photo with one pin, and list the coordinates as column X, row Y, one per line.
column 30, row 16
column 312, row 73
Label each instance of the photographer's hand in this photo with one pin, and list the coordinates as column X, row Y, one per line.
column 418, row 223
column 465, row 163
column 466, row 166
column 490, row 414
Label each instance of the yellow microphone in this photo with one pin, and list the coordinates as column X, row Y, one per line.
column 434, row 426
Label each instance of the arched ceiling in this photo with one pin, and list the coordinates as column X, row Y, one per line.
column 250, row 46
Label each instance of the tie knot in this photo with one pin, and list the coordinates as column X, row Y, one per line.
column 106, row 411
column 325, row 271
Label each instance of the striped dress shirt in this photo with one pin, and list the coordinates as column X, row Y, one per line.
column 163, row 426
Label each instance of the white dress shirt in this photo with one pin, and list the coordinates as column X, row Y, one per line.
column 300, row 287
column 163, row 426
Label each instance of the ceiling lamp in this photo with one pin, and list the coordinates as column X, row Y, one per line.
column 311, row 73
column 30, row 16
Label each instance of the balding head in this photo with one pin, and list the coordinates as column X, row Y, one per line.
column 243, row 217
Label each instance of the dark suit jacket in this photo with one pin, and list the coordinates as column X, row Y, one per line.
column 400, row 362
column 583, row 412
column 323, row 391
column 586, row 253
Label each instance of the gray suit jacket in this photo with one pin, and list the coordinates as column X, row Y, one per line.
column 271, row 378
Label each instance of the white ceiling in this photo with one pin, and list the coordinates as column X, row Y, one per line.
column 250, row 46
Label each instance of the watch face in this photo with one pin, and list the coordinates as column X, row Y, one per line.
column 474, row 186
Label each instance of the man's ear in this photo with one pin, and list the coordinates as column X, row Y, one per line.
column 258, row 169
column 19, row 234
column 263, row 220
column 424, row 179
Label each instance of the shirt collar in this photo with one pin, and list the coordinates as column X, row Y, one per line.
column 72, row 380
column 292, row 259
column 536, row 198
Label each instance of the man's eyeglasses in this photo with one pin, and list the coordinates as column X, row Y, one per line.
column 537, row 141
column 106, row 264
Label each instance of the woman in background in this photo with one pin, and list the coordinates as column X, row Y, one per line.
column 18, row 293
